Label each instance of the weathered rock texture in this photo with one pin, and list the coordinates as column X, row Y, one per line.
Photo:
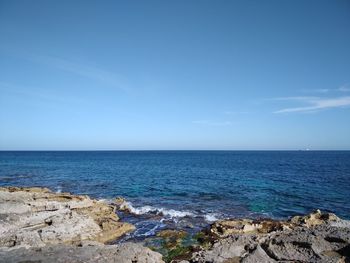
column 318, row 237
column 37, row 225
column 124, row 253
column 35, row 217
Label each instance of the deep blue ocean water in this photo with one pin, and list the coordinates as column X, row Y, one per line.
column 193, row 184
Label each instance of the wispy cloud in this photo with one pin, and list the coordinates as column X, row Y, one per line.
column 315, row 104
column 91, row 72
column 235, row 112
column 300, row 98
column 212, row 123
column 86, row 69
column 38, row 94
column 316, row 90
column 344, row 88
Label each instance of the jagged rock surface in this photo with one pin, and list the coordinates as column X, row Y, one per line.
column 318, row 237
column 35, row 217
column 124, row 253
column 37, row 225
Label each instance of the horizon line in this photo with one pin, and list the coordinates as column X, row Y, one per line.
column 184, row 150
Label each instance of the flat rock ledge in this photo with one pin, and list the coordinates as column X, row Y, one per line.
column 91, row 253
column 36, row 217
column 37, row 225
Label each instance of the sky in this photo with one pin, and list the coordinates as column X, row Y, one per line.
column 175, row 75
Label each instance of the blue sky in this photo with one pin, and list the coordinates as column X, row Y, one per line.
column 104, row 75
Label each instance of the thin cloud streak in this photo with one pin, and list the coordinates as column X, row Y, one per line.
column 344, row 88
column 90, row 72
column 37, row 94
column 318, row 104
column 301, row 98
column 212, row 123
column 317, row 90
column 235, row 112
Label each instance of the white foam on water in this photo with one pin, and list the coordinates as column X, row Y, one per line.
column 151, row 209
column 139, row 210
column 175, row 213
column 58, row 189
column 150, row 232
column 211, row 217
column 166, row 214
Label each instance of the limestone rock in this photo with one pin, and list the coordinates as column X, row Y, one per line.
column 318, row 237
column 258, row 255
column 121, row 204
column 224, row 228
column 37, row 217
column 315, row 218
column 124, row 253
column 233, row 247
column 37, row 225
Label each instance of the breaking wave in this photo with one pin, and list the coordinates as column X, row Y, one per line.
column 171, row 213
column 212, row 217
column 159, row 211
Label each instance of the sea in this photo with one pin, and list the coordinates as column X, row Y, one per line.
column 190, row 189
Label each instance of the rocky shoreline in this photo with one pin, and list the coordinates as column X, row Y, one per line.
column 37, row 225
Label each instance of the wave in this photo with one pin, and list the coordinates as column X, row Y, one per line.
column 212, row 217
column 159, row 211
column 172, row 213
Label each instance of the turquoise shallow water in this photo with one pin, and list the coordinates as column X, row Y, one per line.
column 201, row 185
